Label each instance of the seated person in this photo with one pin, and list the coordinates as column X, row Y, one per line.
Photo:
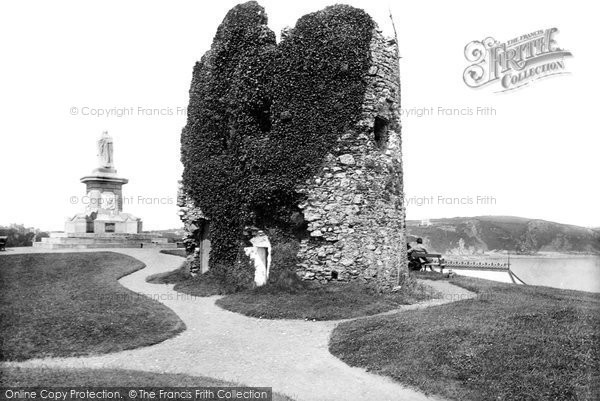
column 413, row 264
column 420, row 249
column 419, row 246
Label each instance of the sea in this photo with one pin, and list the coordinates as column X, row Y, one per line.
column 573, row 272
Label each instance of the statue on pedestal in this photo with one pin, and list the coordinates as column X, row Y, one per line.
column 105, row 151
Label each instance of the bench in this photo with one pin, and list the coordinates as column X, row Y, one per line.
column 433, row 259
column 3, row 240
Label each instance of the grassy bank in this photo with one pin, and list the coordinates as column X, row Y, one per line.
column 336, row 300
column 65, row 304
column 198, row 286
column 174, row 252
column 321, row 302
column 43, row 377
column 510, row 343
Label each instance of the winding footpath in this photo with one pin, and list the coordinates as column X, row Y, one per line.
column 289, row 355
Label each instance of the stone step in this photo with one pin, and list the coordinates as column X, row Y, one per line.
column 73, row 245
column 68, row 240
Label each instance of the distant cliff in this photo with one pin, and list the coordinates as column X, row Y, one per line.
column 470, row 235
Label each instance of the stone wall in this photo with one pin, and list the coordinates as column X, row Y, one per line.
column 354, row 206
column 192, row 218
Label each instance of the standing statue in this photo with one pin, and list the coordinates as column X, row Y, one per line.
column 105, row 151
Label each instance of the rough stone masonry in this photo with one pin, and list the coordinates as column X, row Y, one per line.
column 355, row 205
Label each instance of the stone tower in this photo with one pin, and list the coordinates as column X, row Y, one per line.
column 354, row 206
column 305, row 137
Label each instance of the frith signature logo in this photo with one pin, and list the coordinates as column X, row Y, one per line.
column 516, row 62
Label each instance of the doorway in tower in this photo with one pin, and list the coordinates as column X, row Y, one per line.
column 204, row 245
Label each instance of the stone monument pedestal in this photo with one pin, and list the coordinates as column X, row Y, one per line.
column 103, row 224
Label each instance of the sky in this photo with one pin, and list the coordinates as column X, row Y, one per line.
column 72, row 69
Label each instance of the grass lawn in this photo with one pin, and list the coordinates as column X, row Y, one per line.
column 66, row 304
column 175, row 252
column 199, row 286
column 43, row 377
column 510, row 343
column 429, row 275
column 330, row 302
column 320, row 302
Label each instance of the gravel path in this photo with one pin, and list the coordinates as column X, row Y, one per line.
column 289, row 355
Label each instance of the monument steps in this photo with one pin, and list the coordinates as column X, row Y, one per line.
column 46, row 245
column 81, row 241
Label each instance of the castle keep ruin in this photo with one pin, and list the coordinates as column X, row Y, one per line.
column 292, row 152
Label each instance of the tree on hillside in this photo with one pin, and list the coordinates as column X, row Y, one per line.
column 19, row 235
